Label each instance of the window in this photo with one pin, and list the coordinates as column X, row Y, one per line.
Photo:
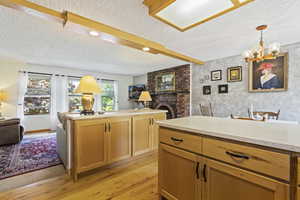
column 38, row 95
column 108, row 95
column 74, row 99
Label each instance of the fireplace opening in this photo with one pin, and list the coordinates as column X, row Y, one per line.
column 170, row 113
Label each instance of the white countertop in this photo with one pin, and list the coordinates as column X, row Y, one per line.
column 121, row 113
column 275, row 135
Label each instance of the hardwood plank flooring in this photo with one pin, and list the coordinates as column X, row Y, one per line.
column 136, row 180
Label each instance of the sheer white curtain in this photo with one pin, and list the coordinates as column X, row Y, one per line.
column 63, row 94
column 97, row 104
column 23, row 80
column 53, row 110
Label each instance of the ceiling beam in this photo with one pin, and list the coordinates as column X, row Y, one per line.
column 235, row 2
column 33, row 9
column 84, row 25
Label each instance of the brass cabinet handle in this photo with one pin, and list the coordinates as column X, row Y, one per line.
column 105, row 128
column 197, row 170
column 109, row 127
column 204, row 173
column 237, row 155
column 152, row 121
column 176, row 139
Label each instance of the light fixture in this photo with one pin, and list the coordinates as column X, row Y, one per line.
column 146, row 49
column 94, row 33
column 145, row 97
column 88, row 86
column 186, row 14
column 259, row 54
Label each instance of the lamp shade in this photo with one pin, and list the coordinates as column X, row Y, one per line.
column 3, row 96
column 88, row 85
column 145, row 96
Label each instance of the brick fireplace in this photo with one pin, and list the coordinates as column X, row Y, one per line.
column 176, row 102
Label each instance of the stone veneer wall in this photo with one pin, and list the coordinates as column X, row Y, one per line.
column 238, row 100
column 179, row 100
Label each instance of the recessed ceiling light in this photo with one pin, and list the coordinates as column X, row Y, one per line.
column 94, row 33
column 146, row 49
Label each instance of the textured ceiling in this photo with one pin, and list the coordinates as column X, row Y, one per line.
column 35, row 40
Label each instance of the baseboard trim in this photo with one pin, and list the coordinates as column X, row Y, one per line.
column 38, row 131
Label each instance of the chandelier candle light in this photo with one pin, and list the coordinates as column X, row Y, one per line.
column 88, row 86
column 259, row 54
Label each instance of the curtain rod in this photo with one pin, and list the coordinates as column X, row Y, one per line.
column 48, row 74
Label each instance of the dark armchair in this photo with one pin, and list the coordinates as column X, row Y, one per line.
column 11, row 132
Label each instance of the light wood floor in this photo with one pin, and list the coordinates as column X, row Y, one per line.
column 136, row 180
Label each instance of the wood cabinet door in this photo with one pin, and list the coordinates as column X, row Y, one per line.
column 179, row 174
column 155, row 129
column 223, row 181
column 90, row 144
column 119, row 142
column 141, row 134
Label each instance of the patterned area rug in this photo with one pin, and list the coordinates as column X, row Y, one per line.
column 33, row 153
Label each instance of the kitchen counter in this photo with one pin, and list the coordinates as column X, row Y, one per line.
column 279, row 136
column 120, row 113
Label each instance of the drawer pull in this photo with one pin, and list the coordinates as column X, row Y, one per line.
column 204, row 173
column 197, row 170
column 176, row 139
column 236, row 155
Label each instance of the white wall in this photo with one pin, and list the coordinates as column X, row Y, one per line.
column 9, row 82
column 142, row 79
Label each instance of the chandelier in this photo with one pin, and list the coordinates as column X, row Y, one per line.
column 259, row 54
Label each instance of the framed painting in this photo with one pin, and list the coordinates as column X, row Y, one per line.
column 270, row 75
column 216, row 75
column 223, row 89
column 165, row 82
column 206, row 90
column 234, row 74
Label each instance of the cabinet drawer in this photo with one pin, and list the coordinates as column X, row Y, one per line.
column 263, row 161
column 181, row 139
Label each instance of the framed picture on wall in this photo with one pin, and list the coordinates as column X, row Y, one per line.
column 216, row 75
column 206, row 90
column 234, row 74
column 223, row 89
column 165, row 82
column 270, row 75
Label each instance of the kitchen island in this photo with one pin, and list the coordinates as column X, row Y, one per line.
column 224, row 159
column 87, row 142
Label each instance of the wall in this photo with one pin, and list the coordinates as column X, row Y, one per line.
column 9, row 79
column 238, row 100
column 8, row 82
column 142, row 79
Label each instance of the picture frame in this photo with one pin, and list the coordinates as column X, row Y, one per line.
column 223, row 89
column 165, row 82
column 275, row 72
column 206, row 90
column 234, row 74
column 216, row 75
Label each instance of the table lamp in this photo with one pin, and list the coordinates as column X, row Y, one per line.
column 3, row 98
column 145, row 97
column 88, row 86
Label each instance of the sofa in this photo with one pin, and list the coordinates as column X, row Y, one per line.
column 62, row 139
column 11, row 131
